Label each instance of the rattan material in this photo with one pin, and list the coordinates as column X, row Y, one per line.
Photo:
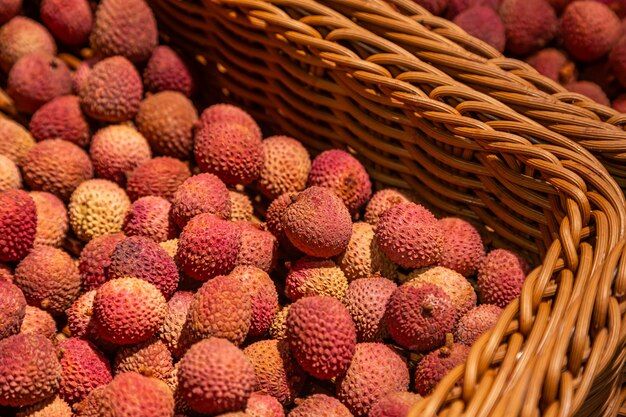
column 559, row 349
column 445, row 46
column 622, row 402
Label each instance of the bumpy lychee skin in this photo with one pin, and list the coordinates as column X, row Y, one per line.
column 166, row 70
column 15, row 140
column 500, row 277
column 127, row 311
column 37, row 78
column 38, row 321
column 258, row 247
column 240, row 206
column 25, row 358
column 409, row 235
column 6, row 273
column 483, row 23
column 476, row 322
column 95, row 258
column 52, row 220
column 18, row 225
column 79, row 316
column 274, row 221
column 150, row 358
column 553, row 63
column 321, row 336
column 230, row 151
column 435, row 7
column 203, row 193
column 434, row 366
column 10, row 177
column 222, row 307
column 81, row 74
column 363, row 258
column 112, row 91
column 143, row 258
column 617, row 60
column 69, row 21
column 126, row 28
column 227, row 113
column 263, row 297
column 375, row 370
column 457, row 6
column 319, row 405
column 150, row 217
column 12, row 309
column 56, row 166
column 22, row 36
column 590, row 90
column 84, row 368
column 381, row 201
column 159, row 176
column 395, row 404
column 215, row 377
column 367, row 300
column 33, row 276
column 263, row 405
column 170, row 246
column 129, row 394
column 180, row 407
column 463, row 250
column 167, row 120
column 9, row 9
column 345, row 175
column 172, row 327
column 460, row 290
column 276, row 371
column 528, row 24
column 318, row 223
column 97, row 207
column 309, row 276
column 286, row 166
column 53, row 407
column 589, row 29
column 91, row 405
column 208, row 246
column 116, row 151
column 61, row 118
column 419, row 317
column 278, row 328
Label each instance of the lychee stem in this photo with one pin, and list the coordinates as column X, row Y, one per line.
column 427, row 308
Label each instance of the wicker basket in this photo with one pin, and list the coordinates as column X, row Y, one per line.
column 622, row 401
column 448, row 48
column 519, row 159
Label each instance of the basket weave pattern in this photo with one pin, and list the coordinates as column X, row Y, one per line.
column 448, row 48
column 559, row 349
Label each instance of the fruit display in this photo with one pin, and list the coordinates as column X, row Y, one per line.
column 163, row 258
column 580, row 44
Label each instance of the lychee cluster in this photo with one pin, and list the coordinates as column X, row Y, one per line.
column 161, row 259
column 580, row 44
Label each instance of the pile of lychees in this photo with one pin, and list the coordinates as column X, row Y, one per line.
column 578, row 43
column 154, row 262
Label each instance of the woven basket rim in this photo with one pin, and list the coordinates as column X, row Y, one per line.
column 591, row 124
